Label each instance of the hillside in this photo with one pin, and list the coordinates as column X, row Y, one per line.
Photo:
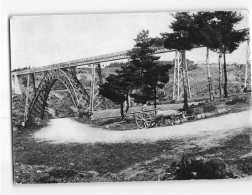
column 60, row 105
column 199, row 84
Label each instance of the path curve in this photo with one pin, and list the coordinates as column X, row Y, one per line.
column 67, row 130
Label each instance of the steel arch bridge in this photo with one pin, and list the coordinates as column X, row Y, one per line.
column 78, row 94
column 65, row 73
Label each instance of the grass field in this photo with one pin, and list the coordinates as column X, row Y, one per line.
column 45, row 162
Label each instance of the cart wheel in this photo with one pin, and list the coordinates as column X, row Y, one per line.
column 143, row 120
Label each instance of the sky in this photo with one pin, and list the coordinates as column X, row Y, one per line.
column 44, row 40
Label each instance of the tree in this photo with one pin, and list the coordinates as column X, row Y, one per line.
column 182, row 39
column 203, row 25
column 224, row 38
column 148, row 75
column 139, row 78
column 117, row 88
column 215, row 30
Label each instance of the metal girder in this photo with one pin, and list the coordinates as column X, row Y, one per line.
column 93, row 60
column 96, row 81
column 87, row 61
column 180, row 76
column 78, row 94
column 29, row 93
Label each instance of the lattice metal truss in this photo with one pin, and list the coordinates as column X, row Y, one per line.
column 180, row 76
column 95, row 99
column 30, row 92
column 78, row 94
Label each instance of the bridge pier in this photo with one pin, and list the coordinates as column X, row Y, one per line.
column 16, row 89
column 96, row 81
column 181, row 84
column 92, row 89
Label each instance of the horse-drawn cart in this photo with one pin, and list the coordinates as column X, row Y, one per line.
column 147, row 118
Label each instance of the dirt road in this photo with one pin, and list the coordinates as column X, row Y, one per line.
column 67, row 130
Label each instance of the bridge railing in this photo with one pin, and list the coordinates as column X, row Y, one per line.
column 86, row 61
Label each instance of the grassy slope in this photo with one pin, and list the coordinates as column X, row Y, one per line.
column 198, row 82
column 39, row 162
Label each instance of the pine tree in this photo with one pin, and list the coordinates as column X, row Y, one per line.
column 148, row 75
column 116, row 89
column 223, row 38
column 203, row 25
column 139, row 78
column 182, row 39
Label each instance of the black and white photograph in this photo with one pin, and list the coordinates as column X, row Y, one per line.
column 122, row 97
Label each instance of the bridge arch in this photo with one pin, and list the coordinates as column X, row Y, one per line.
column 78, row 94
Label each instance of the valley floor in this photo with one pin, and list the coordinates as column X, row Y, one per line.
column 58, row 153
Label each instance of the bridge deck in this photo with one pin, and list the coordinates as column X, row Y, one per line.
column 86, row 61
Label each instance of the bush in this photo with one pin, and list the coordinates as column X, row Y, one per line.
column 18, row 103
column 201, row 168
column 209, row 108
column 236, row 100
column 231, row 102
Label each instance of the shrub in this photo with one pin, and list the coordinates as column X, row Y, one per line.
column 236, row 100
column 201, row 168
column 209, row 108
column 231, row 102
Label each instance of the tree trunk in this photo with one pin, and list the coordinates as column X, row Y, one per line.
column 186, row 107
column 220, row 76
column 122, row 112
column 155, row 99
column 127, row 104
column 225, row 76
column 210, row 87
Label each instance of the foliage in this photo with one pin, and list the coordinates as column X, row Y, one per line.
column 19, row 69
column 117, row 87
column 139, row 78
column 209, row 108
column 111, row 90
column 201, row 168
column 215, row 30
column 183, row 38
column 149, row 74
column 116, row 65
column 18, row 107
column 61, row 104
